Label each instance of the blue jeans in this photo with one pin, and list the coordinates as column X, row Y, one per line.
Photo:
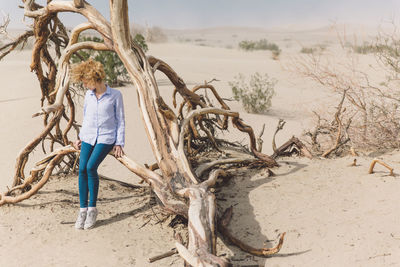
column 90, row 159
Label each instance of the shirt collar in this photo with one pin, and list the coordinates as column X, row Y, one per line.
column 108, row 91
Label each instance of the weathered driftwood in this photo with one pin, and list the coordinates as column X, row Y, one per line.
column 373, row 163
column 279, row 127
column 293, row 145
column 176, row 140
column 341, row 139
column 223, row 228
column 164, row 255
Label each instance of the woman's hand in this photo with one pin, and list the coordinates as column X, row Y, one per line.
column 77, row 144
column 118, row 152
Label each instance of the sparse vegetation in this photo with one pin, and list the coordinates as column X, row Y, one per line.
column 275, row 54
column 255, row 95
column 308, row 50
column 367, row 117
column 182, row 39
column 319, row 48
column 262, row 44
column 141, row 41
column 365, row 48
column 378, row 48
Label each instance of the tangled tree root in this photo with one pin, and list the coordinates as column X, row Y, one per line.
column 263, row 252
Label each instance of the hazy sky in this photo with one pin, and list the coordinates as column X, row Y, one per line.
column 255, row 13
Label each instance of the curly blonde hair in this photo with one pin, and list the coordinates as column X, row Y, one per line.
column 90, row 71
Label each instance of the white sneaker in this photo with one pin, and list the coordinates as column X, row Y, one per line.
column 90, row 219
column 80, row 221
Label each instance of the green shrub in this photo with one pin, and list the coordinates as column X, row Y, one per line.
column 256, row 95
column 115, row 70
column 365, row 48
column 141, row 41
column 262, row 44
column 275, row 54
column 308, row 50
column 318, row 48
column 247, row 45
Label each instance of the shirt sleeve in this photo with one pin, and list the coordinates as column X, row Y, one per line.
column 120, row 116
column 84, row 112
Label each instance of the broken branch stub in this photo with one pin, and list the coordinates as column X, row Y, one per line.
column 373, row 163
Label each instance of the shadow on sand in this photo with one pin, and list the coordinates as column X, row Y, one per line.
column 245, row 227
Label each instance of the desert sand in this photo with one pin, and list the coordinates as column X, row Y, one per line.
column 334, row 214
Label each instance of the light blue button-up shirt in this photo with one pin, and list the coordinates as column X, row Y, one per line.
column 103, row 118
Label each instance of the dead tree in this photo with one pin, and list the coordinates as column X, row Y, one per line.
column 180, row 143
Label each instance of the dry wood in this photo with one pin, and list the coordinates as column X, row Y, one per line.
column 279, row 127
column 24, row 154
column 353, row 152
column 175, row 140
column 339, row 137
column 9, row 47
column 374, row 161
column 164, row 255
column 206, row 166
column 201, row 225
column 47, row 165
column 222, row 226
column 79, row 3
column 259, row 139
column 294, row 141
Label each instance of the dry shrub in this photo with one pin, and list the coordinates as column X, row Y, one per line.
column 370, row 113
column 256, row 94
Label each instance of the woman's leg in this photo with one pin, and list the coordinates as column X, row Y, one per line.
column 86, row 151
column 99, row 153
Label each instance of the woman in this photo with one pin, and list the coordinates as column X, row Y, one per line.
column 103, row 130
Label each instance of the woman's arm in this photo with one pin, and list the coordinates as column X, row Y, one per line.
column 84, row 111
column 120, row 115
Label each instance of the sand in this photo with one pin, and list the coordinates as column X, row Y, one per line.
column 334, row 215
